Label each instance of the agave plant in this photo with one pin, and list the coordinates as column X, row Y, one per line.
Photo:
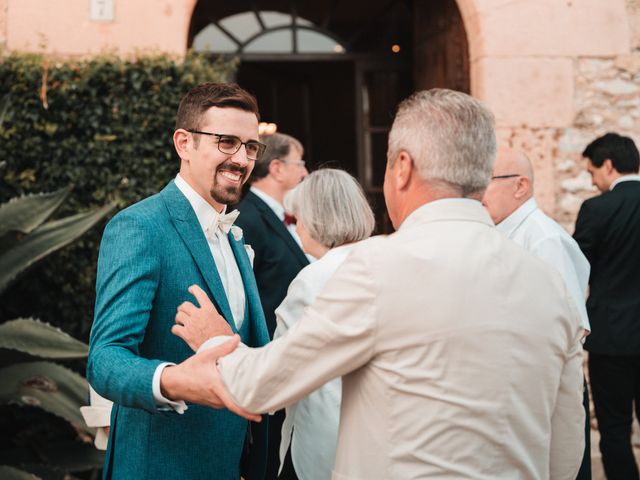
column 25, row 238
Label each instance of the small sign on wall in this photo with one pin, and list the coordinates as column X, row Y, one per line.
column 101, row 10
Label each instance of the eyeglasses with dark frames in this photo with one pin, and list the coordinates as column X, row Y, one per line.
column 511, row 175
column 230, row 144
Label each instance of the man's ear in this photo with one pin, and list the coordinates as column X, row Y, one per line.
column 403, row 170
column 181, row 141
column 608, row 166
column 523, row 186
column 275, row 167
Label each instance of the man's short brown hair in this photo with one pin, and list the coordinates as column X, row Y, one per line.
column 201, row 98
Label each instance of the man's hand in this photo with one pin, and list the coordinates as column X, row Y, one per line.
column 197, row 325
column 197, row 380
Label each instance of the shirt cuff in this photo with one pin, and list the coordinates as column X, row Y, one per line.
column 214, row 342
column 162, row 402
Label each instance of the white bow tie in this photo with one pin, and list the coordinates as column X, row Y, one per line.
column 223, row 222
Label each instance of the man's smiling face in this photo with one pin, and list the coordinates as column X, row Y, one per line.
column 217, row 176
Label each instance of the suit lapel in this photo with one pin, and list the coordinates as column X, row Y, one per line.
column 279, row 227
column 188, row 227
column 258, row 325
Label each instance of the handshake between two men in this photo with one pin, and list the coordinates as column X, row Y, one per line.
column 197, row 379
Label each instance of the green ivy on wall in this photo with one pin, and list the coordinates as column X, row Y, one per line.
column 104, row 125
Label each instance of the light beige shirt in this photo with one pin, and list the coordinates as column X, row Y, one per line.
column 460, row 355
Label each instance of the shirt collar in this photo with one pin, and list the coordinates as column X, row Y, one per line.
column 513, row 221
column 413, row 216
column 271, row 202
column 624, row 178
column 205, row 213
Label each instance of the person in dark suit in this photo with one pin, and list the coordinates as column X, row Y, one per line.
column 271, row 234
column 608, row 232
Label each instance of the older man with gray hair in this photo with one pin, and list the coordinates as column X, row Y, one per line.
column 459, row 352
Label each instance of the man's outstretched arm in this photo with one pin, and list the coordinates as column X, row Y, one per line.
column 197, row 380
column 336, row 336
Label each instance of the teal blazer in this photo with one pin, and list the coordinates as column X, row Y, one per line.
column 150, row 254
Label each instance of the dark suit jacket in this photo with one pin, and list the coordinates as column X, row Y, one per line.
column 278, row 257
column 608, row 232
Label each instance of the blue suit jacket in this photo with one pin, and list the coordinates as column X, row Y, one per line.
column 150, row 254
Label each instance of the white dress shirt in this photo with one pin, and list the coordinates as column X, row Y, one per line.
column 529, row 227
column 315, row 418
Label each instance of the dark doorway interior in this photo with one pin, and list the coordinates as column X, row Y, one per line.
column 341, row 105
column 341, row 110
column 312, row 101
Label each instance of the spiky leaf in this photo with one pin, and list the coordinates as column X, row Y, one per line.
column 11, row 473
column 46, row 239
column 40, row 339
column 49, row 386
column 25, row 214
column 4, row 107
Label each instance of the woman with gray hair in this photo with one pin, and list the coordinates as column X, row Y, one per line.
column 332, row 214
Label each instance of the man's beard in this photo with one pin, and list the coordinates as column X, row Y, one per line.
column 228, row 195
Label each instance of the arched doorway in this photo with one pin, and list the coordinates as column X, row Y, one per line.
column 332, row 73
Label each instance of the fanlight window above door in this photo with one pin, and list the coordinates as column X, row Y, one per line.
column 266, row 32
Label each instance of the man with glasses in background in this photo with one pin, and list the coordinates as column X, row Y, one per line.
column 509, row 200
column 271, row 233
column 150, row 253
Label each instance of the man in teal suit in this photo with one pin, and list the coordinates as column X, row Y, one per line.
column 150, row 254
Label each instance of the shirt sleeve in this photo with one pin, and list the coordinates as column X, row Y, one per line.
column 162, row 402
column 127, row 281
column 556, row 253
column 567, row 421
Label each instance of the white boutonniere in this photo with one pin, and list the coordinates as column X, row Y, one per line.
column 236, row 232
column 250, row 253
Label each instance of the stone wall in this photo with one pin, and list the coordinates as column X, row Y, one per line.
column 4, row 5
column 606, row 98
